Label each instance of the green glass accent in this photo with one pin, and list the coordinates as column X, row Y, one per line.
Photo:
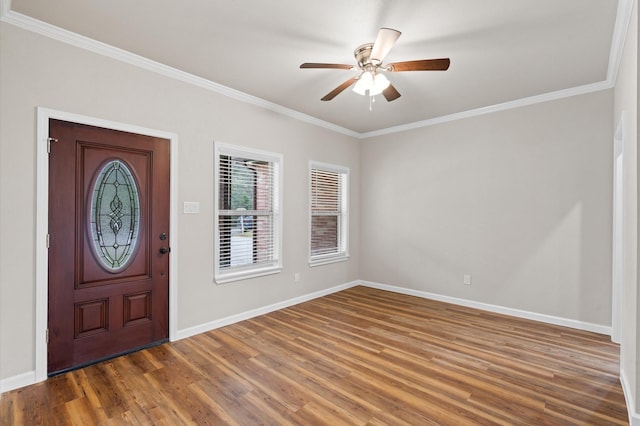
column 115, row 216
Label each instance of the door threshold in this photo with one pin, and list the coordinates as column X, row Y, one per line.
column 106, row 358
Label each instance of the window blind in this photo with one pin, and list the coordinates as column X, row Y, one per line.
column 245, row 212
column 328, row 209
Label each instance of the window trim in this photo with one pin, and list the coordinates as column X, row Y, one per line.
column 249, row 271
column 343, row 227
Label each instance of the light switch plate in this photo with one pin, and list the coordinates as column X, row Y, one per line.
column 191, row 207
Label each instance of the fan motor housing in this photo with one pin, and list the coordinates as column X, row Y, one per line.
column 363, row 54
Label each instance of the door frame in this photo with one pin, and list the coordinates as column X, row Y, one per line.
column 42, row 222
column 617, row 252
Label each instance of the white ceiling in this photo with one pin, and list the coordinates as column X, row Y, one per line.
column 501, row 50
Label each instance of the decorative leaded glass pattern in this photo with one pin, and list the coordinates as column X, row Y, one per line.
column 115, row 215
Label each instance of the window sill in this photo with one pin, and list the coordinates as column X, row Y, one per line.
column 327, row 260
column 245, row 275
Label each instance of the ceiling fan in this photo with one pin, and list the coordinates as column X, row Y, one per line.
column 369, row 57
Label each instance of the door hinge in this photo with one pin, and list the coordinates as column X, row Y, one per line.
column 47, row 335
column 48, row 240
column 49, row 140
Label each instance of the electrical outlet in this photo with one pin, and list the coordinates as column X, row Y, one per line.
column 296, row 277
column 467, row 280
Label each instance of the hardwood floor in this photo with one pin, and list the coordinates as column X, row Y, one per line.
column 361, row 356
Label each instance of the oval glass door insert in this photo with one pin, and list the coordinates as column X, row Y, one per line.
column 115, row 216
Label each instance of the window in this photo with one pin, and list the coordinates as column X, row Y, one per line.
column 115, row 216
column 329, row 213
column 248, row 221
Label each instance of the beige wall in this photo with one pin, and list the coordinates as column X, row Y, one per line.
column 37, row 71
column 518, row 199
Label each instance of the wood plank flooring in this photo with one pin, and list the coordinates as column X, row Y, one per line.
column 358, row 357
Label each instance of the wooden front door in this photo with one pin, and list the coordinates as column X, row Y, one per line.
column 108, row 243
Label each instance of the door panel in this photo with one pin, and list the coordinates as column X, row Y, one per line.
column 108, row 207
column 92, row 159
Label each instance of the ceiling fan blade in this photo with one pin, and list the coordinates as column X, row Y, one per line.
column 420, row 65
column 333, row 66
column 335, row 92
column 387, row 37
column 390, row 93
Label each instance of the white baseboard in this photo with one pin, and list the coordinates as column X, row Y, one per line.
column 18, row 381
column 549, row 319
column 29, row 377
column 212, row 325
column 634, row 417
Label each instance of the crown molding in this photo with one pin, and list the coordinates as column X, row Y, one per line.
column 623, row 18
column 5, row 7
column 620, row 30
column 86, row 43
column 518, row 103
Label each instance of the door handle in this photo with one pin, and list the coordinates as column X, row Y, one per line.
column 165, row 250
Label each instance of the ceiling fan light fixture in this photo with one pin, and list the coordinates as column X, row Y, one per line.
column 365, row 82
column 371, row 84
column 370, row 58
column 359, row 89
column 380, row 82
